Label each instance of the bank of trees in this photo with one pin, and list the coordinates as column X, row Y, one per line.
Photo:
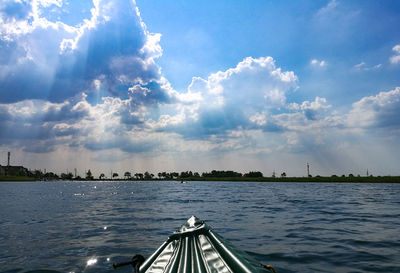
column 176, row 175
column 214, row 175
column 183, row 175
column 129, row 175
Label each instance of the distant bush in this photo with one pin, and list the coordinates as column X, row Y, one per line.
column 258, row 174
column 215, row 173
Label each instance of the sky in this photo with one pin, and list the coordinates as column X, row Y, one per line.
column 152, row 85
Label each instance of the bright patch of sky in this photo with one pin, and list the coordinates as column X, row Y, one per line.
column 200, row 85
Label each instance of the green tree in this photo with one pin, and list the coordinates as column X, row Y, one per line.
column 127, row 175
column 215, row 173
column 139, row 176
column 89, row 175
column 50, row 176
column 254, row 174
column 67, row 176
column 147, row 176
column 38, row 174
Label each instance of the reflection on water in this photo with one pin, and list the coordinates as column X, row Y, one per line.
column 91, row 262
column 86, row 226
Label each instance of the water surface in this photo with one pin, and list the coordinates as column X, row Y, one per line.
column 296, row 227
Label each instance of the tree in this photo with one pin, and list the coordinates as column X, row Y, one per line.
column 89, row 175
column 147, row 176
column 50, row 176
column 102, row 176
column 185, row 174
column 283, row 174
column 38, row 174
column 115, row 175
column 67, row 176
column 139, row 176
column 215, row 173
column 127, row 175
column 254, row 174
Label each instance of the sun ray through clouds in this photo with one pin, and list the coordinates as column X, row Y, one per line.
column 93, row 83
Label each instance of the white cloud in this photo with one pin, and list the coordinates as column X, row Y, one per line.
column 363, row 66
column 380, row 111
column 255, row 82
column 318, row 63
column 234, row 98
column 259, row 119
column 331, row 6
column 69, row 59
column 315, row 109
column 242, row 110
column 395, row 59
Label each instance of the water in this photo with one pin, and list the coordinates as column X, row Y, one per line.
column 296, row 227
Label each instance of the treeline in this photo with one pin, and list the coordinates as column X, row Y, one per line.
column 214, row 175
column 184, row 175
column 187, row 175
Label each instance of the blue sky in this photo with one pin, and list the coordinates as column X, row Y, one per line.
column 159, row 85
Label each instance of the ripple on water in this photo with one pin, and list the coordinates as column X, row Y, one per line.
column 296, row 227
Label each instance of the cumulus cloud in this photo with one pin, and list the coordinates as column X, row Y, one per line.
column 61, row 84
column 380, row 111
column 312, row 110
column 234, row 98
column 113, row 124
column 95, row 86
column 86, row 85
column 107, row 53
column 395, row 59
column 37, row 123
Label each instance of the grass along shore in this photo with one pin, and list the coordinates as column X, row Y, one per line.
column 10, row 178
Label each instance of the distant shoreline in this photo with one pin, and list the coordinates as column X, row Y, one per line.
column 12, row 178
column 318, row 179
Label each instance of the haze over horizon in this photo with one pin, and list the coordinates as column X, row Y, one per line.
column 201, row 85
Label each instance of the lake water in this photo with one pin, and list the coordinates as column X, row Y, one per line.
column 296, row 227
